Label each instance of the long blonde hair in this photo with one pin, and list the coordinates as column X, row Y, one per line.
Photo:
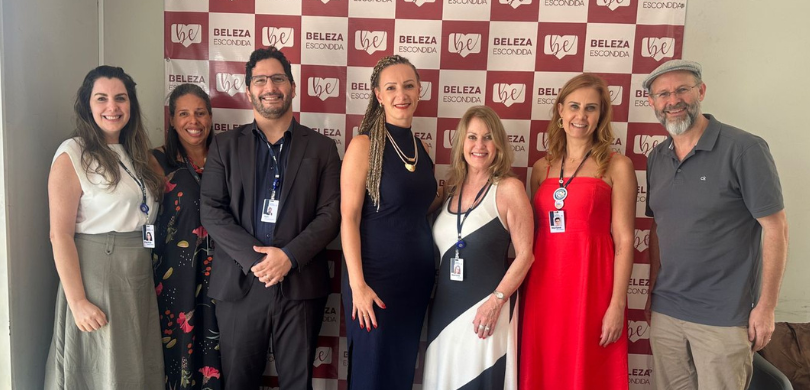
column 502, row 164
column 603, row 135
column 373, row 125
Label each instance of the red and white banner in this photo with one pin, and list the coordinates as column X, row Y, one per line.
column 511, row 55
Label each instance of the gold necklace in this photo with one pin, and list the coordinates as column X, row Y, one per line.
column 410, row 162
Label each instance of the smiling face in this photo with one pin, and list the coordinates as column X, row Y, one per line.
column 580, row 112
column 678, row 111
column 191, row 120
column 479, row 146
column 109, row 103
column 271, row 100
column 398, row 93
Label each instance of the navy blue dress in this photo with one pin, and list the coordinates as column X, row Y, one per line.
column 398, row 264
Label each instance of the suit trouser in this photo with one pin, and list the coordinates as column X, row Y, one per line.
column 690, row 356
column 248, row 327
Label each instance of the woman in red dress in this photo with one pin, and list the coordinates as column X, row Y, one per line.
column 575, row 295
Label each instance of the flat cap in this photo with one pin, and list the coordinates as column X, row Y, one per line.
column 671, row 66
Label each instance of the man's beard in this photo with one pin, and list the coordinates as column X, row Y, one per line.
column 268, row 112
column 677, row 127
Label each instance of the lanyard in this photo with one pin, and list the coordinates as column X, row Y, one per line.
column 144, row 206
column 561, row 193
column 191, row 169
column 562, row 168
column 460, row 244
column 276, row 171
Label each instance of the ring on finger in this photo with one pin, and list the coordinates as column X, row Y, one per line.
column 486, row 328
column 481, row 327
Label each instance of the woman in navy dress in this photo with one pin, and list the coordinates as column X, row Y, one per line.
column 387, row 190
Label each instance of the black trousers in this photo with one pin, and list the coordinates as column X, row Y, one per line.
column 248, row 327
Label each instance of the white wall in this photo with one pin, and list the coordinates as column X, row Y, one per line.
column 47, row 48
column 755, row 64
column 133, row 40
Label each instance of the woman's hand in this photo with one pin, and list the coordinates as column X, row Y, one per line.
column 363, row 300
column 612, row 325
column 88, row 316
column 487, row 316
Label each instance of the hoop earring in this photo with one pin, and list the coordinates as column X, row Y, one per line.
column 559, row 123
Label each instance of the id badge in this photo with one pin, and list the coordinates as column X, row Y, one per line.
column 148, row 233
column 457, row 269
column 556, row 221
column 270, row 211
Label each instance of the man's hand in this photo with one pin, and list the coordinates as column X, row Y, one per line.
column 273, row 267
column 760, row 327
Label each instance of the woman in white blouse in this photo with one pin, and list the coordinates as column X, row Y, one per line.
column 102, row 195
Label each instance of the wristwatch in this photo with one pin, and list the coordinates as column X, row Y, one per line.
column 498, row 294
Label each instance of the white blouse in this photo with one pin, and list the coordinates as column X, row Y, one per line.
column 102, row 209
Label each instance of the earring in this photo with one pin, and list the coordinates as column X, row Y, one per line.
column 559, row 123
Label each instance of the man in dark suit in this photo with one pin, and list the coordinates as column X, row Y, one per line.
column 270, row 277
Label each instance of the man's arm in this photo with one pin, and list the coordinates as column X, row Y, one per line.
column 216, row 214
column 774, row 258
column 326, row 224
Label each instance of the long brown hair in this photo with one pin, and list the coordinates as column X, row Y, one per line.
column 133, row 136
column 502, row 164
column 373, row 125
column 602, row 136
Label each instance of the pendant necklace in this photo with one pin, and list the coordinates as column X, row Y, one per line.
column 561, row 193
column 410, row 162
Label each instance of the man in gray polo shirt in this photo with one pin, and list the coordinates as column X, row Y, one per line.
column 718, row 241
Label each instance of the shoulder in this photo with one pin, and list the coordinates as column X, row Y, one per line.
column 739, row 137
column 541, row 163
column 511, row 187
column 620, row 163
column 72, row 147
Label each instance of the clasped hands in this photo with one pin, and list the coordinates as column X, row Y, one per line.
column 273, row 267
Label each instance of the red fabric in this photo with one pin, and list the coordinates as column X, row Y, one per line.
column 567, row 292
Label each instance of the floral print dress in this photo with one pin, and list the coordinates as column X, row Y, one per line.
column 182, row 267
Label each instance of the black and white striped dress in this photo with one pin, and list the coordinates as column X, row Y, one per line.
column 456, row 358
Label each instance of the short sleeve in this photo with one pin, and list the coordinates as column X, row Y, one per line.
column 759, row 181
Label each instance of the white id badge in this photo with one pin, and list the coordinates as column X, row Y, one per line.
column 270, row 210
column 148, row 233
column 457, row 269
column 556, row 221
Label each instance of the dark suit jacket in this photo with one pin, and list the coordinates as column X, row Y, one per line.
column 309, row 215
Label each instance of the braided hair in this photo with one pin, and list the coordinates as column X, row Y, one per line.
column 373, row 125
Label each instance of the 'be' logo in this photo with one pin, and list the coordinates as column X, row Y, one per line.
column 644, row 144
column 560, row 45
column 508, row 94
column 186, row 34
column 323, row 355
column 323, row 88
column 420, row 2
column 280, row 37
column 642, row 240
column 657, row 48
column 230, row 83
column 613, row 4
column 542, row 142
column 465, row 44
column 515, row 3
column 370, row 41
column 427, row 86
column 638, row 330
column 448, row 138
column 615, row 94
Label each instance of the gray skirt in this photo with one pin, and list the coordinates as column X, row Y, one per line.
column 126, row 353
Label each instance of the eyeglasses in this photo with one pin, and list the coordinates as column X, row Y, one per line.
column 277, row 79
column 679, row 93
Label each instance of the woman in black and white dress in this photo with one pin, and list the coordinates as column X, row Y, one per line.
column 472, row 328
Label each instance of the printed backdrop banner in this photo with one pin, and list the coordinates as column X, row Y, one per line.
column 511, row 55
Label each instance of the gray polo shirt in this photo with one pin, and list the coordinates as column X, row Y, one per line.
column 706, row 208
